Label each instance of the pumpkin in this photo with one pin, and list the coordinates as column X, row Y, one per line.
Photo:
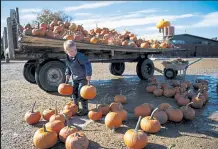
column 65, row 89
column 27, row 32
column 164, row 106
column 158, row 92
column 139, row 42
column 144, row 45
column 161, row 116
column 32, row 117
column 188, row 84
column 58, row 29
column 44, row 138
column 68, row 37
column 143, row 110
column 49, row 33
column 77, row 140
column 175, row 83
column 184, row 86
column 66, row 131
column 188, row 112
column 190, row 94
column 86, row 39
column 151, row 88
column 114, row 106
column 57, row 36
column 79, row 28
column 164, row 86
column 134, row 138
column 155, row 46
column 72, row 107
column 105, row 109
column 27, row 26
column 169, row 92
column 43, row 25
column 95, row 114
column 133, row 38
column 67, row 112
column 163, row 45
column 174, row 115
column 182, row 100
column 94, row 40
column 120, row 98
column 97, row 30
column 55, row 125
column 106, row 36
column 57, row 116
column 125, row 43
column 66, row 24
column 197, row 102
column 150, row 124
column 54, row 23
column 72, row 27
column 160, row 24
column 88, row 92
column 47, row 113
column 113, row 120
column 197, row 85
column 36, row 32
column 123, row 113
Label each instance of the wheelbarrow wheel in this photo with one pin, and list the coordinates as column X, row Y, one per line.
column 169, row 73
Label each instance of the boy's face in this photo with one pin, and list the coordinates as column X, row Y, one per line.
column 72, row 52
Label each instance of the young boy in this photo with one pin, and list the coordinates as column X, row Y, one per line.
column 77, row 66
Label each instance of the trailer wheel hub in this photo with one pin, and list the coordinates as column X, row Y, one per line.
column 54, row 75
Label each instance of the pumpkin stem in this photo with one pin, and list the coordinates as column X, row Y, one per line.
column 153, row 113
column 44, row 128
column 33, row 107
column 188, row 105
column 66, row 119
column 137, row 125
column 198, row 95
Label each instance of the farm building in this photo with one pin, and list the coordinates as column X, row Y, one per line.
column 198, row 46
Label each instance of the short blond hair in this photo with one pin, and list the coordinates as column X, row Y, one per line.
column 69, row 45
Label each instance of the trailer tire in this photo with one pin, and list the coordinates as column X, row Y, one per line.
column 117, row 69
column 145, row 69
column 29, row 71
column 170, row 73
column 49, row 75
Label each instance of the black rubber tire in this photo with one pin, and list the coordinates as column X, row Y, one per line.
column 145, row 69
column 117, row 69
column 29, row 71
column 44, row 81
column 170, row 73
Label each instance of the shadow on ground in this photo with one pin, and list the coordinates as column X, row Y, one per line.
column 134, row 90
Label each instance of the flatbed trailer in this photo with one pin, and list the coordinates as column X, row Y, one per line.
column 45, row 56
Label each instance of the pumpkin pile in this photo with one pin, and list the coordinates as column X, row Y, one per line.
column 54, row 129
column 71, row 31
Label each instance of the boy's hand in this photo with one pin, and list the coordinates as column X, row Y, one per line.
column 88, row 78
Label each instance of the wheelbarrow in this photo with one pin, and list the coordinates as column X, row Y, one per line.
column 171, row 69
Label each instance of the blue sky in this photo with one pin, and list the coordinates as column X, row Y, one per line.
column 140, row 17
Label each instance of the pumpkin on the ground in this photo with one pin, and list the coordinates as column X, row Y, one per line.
column 120, row 99
column 114, row 106
column 123, row 113
column 55, row 125
column 197, row 102
column 113, row 120
column 66, row 131
column 151, row 88
column 47, row 113
column 174, row 115
column 143, row 110
column 164, row 106
column 188, row 112
column 77, row 140
column 134, row 138
column 150, row 124
column 57, row 116
column 32, row 117
column 95, row 114
column 72, row 107
column 161, row 116
column 44, row 138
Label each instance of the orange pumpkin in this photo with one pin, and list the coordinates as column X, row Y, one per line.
column 55, row 125
column 155, row 46
column 144, row 45
column 150, row 124
column 123, row 113
column 95, row 114
column 77, row 140
column 27, row 32
column 125, row 43
column 44, row 138
column 163, row 45
column 143, row 110
column 161, row 116
column 113, row 120
column 134, row 138
column 88, row 92
column 67, row 112
column 72, row 107
column 65, row 89
column 66, row 131
column 94, row 40
column 68, row 37
column 115, row 106
column 47, row 113
column 174, row 115
column 120, row 98
column 32, row 117
column 57, row 116
column 197, row 102
column 158, row 92
column 151, row 88
column 164, row 106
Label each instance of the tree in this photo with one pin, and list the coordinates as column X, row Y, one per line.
column 47, row 16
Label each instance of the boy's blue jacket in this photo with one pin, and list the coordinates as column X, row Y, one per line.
column 79, row 66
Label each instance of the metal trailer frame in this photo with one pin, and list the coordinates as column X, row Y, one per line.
column 45, row 64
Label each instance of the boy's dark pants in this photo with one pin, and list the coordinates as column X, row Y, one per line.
column 77, row 85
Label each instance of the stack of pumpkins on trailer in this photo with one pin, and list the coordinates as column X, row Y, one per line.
column 71, row 31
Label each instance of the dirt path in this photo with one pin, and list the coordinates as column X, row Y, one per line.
column 18, row 95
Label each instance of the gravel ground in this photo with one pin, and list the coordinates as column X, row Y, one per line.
column 18, row 95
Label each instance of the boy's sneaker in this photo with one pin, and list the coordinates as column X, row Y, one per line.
column 82, row 112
